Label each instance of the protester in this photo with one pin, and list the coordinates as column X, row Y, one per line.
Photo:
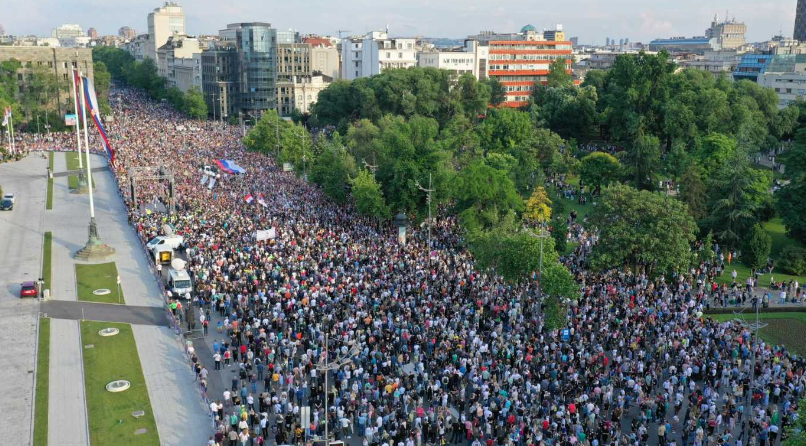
column 443, row 353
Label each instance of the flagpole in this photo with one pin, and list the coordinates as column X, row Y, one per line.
column 87, row 146
column 95, row 249
column 11, row 130
column 75, row 108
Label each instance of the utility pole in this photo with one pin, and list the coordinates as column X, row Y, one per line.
column 327, row 367
column 756, row 327
column 277, row 137
column 429, row 190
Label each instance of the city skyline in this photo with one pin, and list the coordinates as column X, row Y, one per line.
column 590, row 20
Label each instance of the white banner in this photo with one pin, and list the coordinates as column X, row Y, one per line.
column 204, row 179
column 265, row 235
column 211, row 184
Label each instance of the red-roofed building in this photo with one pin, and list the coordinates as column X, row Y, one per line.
column 318, row 41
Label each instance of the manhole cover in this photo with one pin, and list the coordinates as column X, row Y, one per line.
column 140, row 431
column 138, row 413
column 89, row 346
column 102, row 292
column 118, row 386
column 111, row 331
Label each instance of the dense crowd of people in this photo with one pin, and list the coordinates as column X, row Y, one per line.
column 440, row 352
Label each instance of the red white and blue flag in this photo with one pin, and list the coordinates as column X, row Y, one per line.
column 249, row 198
column 95, row 114
column 6, row 115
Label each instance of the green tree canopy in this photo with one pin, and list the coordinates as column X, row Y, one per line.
column 642, row 229
column 599, row 169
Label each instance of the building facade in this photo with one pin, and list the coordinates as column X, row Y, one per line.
column 255, row 45
column 178, row 48
column 684, row 45
column 300, row 93
column 163, row 22
column 800, row 22
column 127, row 33
column 520, row 65
column 729, row 34
column 786, row 74
column 376, row 52
column 459, row 62
column 219, row 79
column 57, row 60
column 751, row 67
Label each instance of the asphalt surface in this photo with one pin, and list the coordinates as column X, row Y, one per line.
column 92, row 311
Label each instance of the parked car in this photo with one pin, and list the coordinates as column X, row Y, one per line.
column 10, row 197
column 6, row 205
column 29, row 289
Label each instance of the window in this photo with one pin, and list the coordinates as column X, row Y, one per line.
column 388, row 55
column 19, row 76
column 399, row 55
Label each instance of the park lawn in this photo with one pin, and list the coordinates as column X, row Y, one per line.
column 47, row 249
column 49, row 199
column 42, row 384
column 110, row 414
column 787, row 329
column 775, row 228
column 72, row 164
column 92, row 277
column 50, row 161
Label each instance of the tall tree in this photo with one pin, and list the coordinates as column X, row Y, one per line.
column 642, row 229
column 194, row 106
column 368, row 195
column 559, row 75
column 599, row 169
column 484, row 196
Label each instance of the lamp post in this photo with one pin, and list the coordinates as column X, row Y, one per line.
column 429, row 190
column 755, row 327
column 401, row 221
column 327, row 367
column 541, row 236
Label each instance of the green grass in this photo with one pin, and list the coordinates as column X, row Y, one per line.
column 50, row 161
column 49, row 200
column 110, row 414
column 787, row 329
column 96, row 276
column 42, row 384
column 47, row 247
column 72, row 164
column 780, row 240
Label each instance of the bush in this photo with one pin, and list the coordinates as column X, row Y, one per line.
column 756, row 248
column 793, row 260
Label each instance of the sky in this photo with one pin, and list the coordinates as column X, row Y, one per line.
column 590, row 20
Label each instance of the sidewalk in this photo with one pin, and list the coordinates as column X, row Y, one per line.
column 182, row 418
column 67, row 414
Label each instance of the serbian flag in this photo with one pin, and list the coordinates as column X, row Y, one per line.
column 6, row 115
column 249, row 198
column 261, row 200
column 95, row 113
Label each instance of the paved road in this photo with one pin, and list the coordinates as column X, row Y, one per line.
column 105, row 312
column 20, row 260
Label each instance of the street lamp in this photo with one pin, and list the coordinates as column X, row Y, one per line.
column 327, row 367
column 755, row 327
column 539, row 268
column 401, row 221
column 429, row 190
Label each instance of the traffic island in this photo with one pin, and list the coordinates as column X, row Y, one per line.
column 122, row 416
column 42, row 384
column 77, row 183
column 98, row 283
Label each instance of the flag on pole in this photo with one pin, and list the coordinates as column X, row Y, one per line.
column 249, row 198
column 6, row 116
column 261, row 200
column 95, row 113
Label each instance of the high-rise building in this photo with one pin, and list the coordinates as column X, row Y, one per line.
column 303, row 70
column 68, row 30
column 163, row 22
column 92, row 33
column 127, row 33
column 555, row 35
column 800, row 21
column 574, row 41
column 219, row 68
column 729, row 34
column 256, row 46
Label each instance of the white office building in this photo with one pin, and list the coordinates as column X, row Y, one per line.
column 786, row 74
column 459, row 62
column 372, row 54
column 163, row 23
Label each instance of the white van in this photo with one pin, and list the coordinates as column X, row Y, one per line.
column 179, row 282
column 171, row 241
